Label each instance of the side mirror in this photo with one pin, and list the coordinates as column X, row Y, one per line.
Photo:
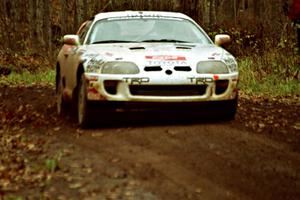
column 71, row 40
column 222, row 39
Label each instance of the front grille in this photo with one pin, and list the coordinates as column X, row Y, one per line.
column 153, row 68
column 168, row 90
column 111, row 86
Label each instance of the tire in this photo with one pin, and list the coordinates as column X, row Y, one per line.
column 60, row 102
column 83, row 111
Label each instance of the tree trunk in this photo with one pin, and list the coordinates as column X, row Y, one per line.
column 257, row 8
column 47, row 27
column 212, row 14
column 5, row 21
column 63, row 16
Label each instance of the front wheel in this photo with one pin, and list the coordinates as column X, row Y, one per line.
column 83, row 107
column 60, row 102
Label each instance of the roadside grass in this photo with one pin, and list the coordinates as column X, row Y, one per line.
column 271, row 74
column 29, row 78
column 12, row 197
column 274, row 73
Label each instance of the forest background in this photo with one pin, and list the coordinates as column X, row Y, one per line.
column 263, row 39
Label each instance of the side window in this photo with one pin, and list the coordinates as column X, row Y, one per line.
column 83, row 31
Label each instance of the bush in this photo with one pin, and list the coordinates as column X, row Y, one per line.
column 272, row 73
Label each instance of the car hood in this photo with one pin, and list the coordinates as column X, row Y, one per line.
column 153, row 54
column 134, row 52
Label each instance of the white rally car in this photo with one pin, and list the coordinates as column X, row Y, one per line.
column 135, row 59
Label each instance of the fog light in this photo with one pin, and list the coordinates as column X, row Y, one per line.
column 221, row 86
column 111, row 86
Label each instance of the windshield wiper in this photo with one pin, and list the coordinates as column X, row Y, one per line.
column 166, row 40
column 112, row 41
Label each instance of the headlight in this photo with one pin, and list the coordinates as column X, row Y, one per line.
column 212, row 67
column 120, row 68
column 231, row 63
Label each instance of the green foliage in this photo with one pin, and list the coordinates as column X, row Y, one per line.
column 13, row 198
column 250, row 42
column 27, row 78
column 51, row 165
column 27, row 60
column 268, row 65
column 243, row 40
column 272, row 73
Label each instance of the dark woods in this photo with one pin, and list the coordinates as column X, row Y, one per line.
column 38, row 25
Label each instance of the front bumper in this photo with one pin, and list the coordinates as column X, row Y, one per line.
column 188, row 88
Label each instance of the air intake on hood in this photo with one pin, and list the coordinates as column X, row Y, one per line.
column 180, row 47
column 137, row 48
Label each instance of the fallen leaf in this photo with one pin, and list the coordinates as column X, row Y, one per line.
column 128, row 194
column 56, row 129
column 261, row 125
column 89, row 170
column 297, row 126
column 31, row 146
column 79, row 131
column 75, row 185
column 97, row 134
column 198, row 190
column 20, row 108
column 115, row 160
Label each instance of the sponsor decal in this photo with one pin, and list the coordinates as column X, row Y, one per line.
column 138, row 16
column 166, row 58
column 93, row 94
column 166, row 63
column 109, row 54
column 94, row 65
column 216, row 54
column 136, row 81
column 200, row 81
column 93, row 90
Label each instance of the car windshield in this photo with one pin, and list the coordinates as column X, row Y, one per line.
column 146, row 30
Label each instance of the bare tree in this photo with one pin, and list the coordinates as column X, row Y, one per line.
column 37, row 23
column 63, row 16
column 47, row 26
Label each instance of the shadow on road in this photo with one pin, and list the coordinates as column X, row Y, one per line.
column 153, row 118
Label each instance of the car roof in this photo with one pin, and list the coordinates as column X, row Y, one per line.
column 125, row 14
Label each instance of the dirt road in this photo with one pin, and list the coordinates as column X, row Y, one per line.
column 257, row 156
